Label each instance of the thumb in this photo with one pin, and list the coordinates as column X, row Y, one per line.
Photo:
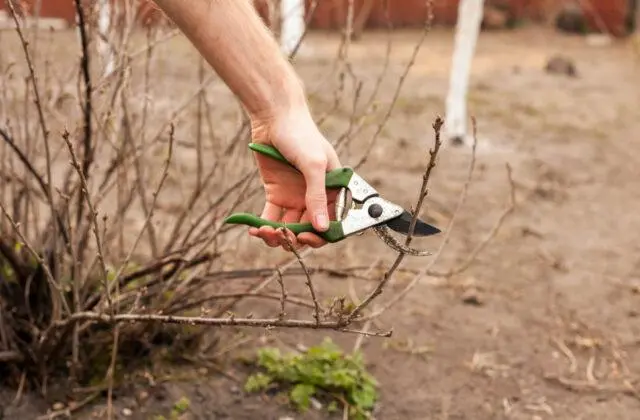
column 316, row 196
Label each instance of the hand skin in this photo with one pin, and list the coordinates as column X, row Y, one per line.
column 233, row 39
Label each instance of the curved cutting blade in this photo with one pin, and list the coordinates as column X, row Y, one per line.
column 402, row 223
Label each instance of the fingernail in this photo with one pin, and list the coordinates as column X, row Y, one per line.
column 322, row 220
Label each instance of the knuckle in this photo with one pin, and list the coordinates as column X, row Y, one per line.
column 316, row 163
column 316, row 197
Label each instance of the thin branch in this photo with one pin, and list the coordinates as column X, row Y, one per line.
column 25, row 160
column 88, row 107
column 428, row 269
column 471, row 257
column 94, row 217
column 150, row 214
column 283, row 295
column 264, row 283
column 111, row 370
column 268, row 296
column 308, row 282
column 437, row 125
column 219, row 322
column 45, row 131
column 45, row 267
column 10, row 357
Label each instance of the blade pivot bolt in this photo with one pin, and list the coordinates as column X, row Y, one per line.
column 375, row 210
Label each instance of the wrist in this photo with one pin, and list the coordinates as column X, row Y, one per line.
column 280, row 101
column 284, row 126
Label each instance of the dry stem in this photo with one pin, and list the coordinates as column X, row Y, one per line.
column 433, row 154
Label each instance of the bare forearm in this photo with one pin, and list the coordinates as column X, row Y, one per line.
column 231, row 37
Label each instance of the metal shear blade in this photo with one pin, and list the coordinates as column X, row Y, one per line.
column 374, row 211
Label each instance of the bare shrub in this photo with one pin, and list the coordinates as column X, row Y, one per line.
column 109, row 244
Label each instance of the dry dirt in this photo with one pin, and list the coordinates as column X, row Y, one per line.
column 553, row 331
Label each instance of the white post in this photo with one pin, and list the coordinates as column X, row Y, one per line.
column 104, row 25
column 467, row 29
column 292, row 18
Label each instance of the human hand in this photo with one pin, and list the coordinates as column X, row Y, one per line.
column 292, row 196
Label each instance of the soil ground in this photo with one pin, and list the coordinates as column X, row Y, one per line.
column 553, row 330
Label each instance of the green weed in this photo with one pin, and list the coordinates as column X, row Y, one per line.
column 323, row 372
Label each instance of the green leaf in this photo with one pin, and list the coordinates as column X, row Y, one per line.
column 323, row 367
column 332, row 407
column 301, row 395
column 257, row 382
column 269, row 358
column 7, row 273
column 365, row 397
column 182, row 405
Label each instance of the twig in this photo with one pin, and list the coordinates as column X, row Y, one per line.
column 10, row 357
column 88, row 107
column 20, row 390
column 111, row 370
column 142, row 192
column 36, row 92
column 462, row 267
column 360, row 338
column 384, row 233
column 283, row 294
column 573, row 364
column 150, row 214
column 437, row 125
column 385, row 334
column 45, row 267
column 66, row 412
column 428, row 269
column 154, row 268
column 309, row 283
column 94, row 217
column 219, row 296
column 220, row 322
column 346, row 272
column 589, row 371
column 586, row 386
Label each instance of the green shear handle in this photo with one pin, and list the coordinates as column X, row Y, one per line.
column 337, row 178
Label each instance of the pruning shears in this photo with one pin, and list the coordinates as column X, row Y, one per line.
column 367, row 210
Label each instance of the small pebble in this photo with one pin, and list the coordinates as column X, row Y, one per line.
column 143, row 395
column 127, row 412
column 559, row 64
column 635, row 286
column 316, row 404
column 471, row 296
